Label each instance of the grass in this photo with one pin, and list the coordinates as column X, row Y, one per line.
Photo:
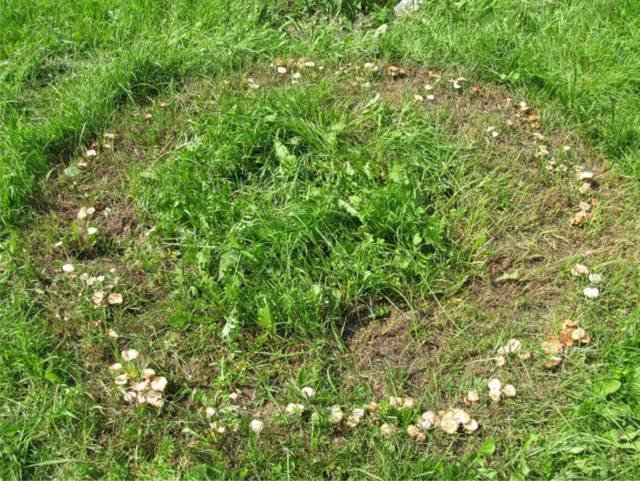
column 334, row 232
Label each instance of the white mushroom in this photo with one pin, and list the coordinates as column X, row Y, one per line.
column 256, row 426
column 294, row 408
column 495, row 395
column 591, row 292
column 308, row 392
column 509, row 390
column 68, row 268
column 355, row 417
column 387, row 429
column 494, row 384
column 413, row 431
column 471, row 426
column 209, row 412
column 154, row 398
column 114, row 298
column 427, row 420
column 159, row 383
column 580, row 270
column 115, row 367
column 595, row 278
column 472, row 396
column 336, row 415
column 130, row 354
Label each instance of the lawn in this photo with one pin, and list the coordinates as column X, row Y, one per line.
column 316, row 221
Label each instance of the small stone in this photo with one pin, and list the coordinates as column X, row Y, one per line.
column 585, row 187
column 281, row 69
column 121, row 379
column 495, row 395
column 92, row 230
column 148, row 373
column 418, row 98
column 91, row 153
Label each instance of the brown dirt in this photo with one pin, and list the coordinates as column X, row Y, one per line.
column 388, row 343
